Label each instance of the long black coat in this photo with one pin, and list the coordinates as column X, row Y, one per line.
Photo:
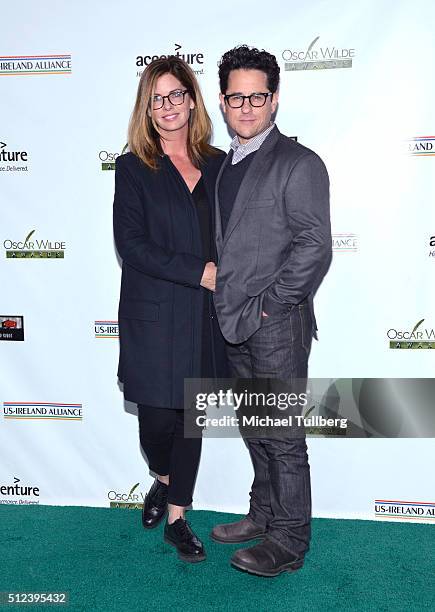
column 157, row 235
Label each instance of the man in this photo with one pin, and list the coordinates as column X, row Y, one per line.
column 274, row 247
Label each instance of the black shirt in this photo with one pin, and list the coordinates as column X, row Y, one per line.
column 200, row 198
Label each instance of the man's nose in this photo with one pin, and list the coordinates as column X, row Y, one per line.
column 246, row 106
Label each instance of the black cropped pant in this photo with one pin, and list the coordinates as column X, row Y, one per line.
column 161, row 434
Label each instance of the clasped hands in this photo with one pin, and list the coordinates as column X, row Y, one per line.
column 208, row 280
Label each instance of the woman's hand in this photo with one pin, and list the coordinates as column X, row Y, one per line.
column 208, row 279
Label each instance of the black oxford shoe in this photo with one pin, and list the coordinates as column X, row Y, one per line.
column 188, row 545
column 266, row 559
column 155, row 505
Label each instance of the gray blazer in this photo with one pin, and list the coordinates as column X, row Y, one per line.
column 277, row 246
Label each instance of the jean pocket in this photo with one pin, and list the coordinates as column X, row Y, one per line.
column 306, row 322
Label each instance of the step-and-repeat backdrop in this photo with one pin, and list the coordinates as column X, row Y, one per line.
column 356, row 86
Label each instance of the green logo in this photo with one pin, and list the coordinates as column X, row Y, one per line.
column 322, row 58
column 34, row 249
column 418, row 338
column 130, row 500
column 108, row 159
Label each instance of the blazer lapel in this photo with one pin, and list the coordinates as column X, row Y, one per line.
column 249, row 183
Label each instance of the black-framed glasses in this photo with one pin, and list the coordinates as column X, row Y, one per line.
column 175, row 97
column 255, row 99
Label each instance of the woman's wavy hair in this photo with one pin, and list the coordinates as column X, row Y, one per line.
column 143, row 136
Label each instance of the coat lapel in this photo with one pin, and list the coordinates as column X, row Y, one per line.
column 249, row 183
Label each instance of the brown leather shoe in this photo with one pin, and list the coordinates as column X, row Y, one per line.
column 266, row 559
column 242, row 531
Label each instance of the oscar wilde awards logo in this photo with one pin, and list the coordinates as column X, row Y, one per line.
column 404, row 510
column 12, row 159
column 43, row 411
column 18, row 494
column 12, row 327
column 34, row 249
column 194, row 59
column 345, row 243
column 106, row 329
column 13, row 65
column 132, row 500
column 317, row 57
column 421, row 146
column 108, row 158
column 432, row 246
column 417, row 338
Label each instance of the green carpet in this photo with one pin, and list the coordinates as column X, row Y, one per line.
column 106, row 561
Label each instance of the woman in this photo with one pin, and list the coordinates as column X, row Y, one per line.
column 163, row 226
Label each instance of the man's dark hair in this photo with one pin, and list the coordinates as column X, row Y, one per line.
column 249, row 59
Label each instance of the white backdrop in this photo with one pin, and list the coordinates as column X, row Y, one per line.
column 364, row 117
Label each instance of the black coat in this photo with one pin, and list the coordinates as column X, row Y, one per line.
column 157, row 235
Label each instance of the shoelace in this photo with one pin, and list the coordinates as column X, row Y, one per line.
column 184, row 529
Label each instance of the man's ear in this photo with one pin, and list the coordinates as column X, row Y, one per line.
column 275, row 100
column 222, row 103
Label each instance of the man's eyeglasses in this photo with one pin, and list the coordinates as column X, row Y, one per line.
column 255, row 99
column 175, row 97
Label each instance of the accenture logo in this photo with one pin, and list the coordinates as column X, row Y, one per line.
column 11, row 159
column 18, row 494
column 195, row 60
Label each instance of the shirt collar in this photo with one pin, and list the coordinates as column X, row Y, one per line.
column 253, row 144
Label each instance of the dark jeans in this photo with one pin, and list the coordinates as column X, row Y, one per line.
column 280, row 498
column 161, row 433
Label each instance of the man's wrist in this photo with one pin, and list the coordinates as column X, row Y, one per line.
column 271, row 306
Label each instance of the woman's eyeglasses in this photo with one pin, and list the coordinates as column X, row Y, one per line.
column 175, row 97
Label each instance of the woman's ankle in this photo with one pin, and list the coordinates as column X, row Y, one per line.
column 174, row 513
